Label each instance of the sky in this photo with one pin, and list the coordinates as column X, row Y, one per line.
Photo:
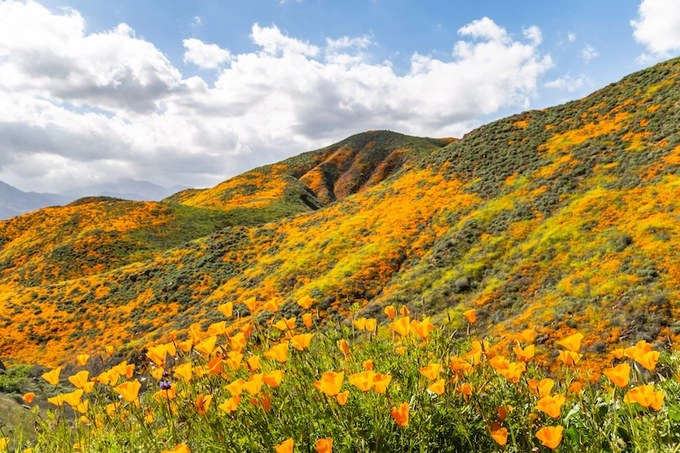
column 193, row 92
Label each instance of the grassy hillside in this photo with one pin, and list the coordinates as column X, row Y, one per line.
column 554, row 220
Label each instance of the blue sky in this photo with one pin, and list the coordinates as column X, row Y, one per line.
column 192, row 92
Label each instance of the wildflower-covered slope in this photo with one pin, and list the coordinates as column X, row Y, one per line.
column 560, row 219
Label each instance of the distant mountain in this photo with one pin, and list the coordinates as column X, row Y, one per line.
column 14, row 202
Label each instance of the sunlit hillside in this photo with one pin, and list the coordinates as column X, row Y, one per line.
column 562, row 219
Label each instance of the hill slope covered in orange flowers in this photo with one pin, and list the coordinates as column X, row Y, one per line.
column 559, row 219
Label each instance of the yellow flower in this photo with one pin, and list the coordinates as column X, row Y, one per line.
column 423, row 328
column 645, row 396
column 403, row 310
column 254, row 384
column 181, row 448
column 273, row 378
column 526, row 354
column 528, row 335
column 57, row 400
column 184, row 372
column 400, row 414
column 363, row 380
column 284, row 324
column 431, row 371
column 52, row 376
column 285, row 447
column 230, row 405
column 237, row 342
column 129, row 390
column 330, row 383
column 218, row 328
column 157, row 354
column 470, row 315
column 371, row 324
column 550, row 436
column 324, row 445
column 542, row 388
column 437, row 387
column 391, row 312
column 360, row 323
column 619, row 375
column 73, row 398
column 569, row 358
column 272, row 305
column 572, row 343
column 236, row 387
column 207, row 346
column 380, row 382
column 226, row 309
column 301, row 341
column 400, row 350
column 4, row 441
column 82, row 359
column 278, row 353
column 305, row 302
column 254, row 363
column 551, row 405
column 401, row 326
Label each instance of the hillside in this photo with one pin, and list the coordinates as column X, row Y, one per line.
column 559, row 219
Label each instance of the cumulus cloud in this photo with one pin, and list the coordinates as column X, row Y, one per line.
column 567, row 83
column 657, row 27
column 589, row 53
column 206, row 56
column 571, row 36
column 79, row 107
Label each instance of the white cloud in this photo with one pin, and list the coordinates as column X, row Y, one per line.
column 78, row 107
column 657, row 27
column 534, row 34
column 589, row 53
column 567, row 83
column 571, row 37
column 207, row 56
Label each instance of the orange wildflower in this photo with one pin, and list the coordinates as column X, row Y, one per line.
column 341, row 397
column 82, row 359
column 344, row 347
column 218, row 328
column 272, row 305
column 431, row 371
column 207, row 346
column 254, row 363
column 619, row 375
column 400, row 414
column 528, row 335
column 423, row 328
column 251, row 304
column 576, row 387
column 371, row 324
column 285, row 447
column 278, row 353
column 470, row 315
column 503, row 412
column 254, row 384
column 401, row 326
column 363, row 380
column 330, row 383
column 79, row 379
column 284, row 324
column 541, row 388
column 400, row 350
column 273, row 378
column 572, row 343
column 513, row 372
column 307, row 320
column 403, row 310
column 380, row 382
column 500, row 436
column 214, row 367
column 202, row 404
column 52, row 376
column 226, row 309
column 181, row 448
column 437, row 387
column 73, row 398
column 465, row 390
column 184, row 371
column 391, row 312
column 230, row 405
column 157, row 354
column 551, row 405
column 28, row 397
column 645, row 396
column 57, row 400
column 550, row 436
column 236, row 387
column 367, row 364
column 238, row 341
column 360, row 323
column 305, row 302
column 301, row 341
column 459, row 365
column 324, row 445
column 526, row 354
column 569, row 358
column 129, row 390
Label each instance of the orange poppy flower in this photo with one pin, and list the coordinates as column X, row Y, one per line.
column 403, row 310
column 307, row 320
column 465, row 389
column 230, row 405
column 272, row 305
column 422, row 328
column 550, row 436
column 238, row 341
column 470, row 315
column 251, row 305
column 526, row 354
column 254, row 363
column 619, row 375
column 380, row 382
column 273, row 378
column 400, row 414
column 301, row 341
column 218, row 328
column 528, row 335
column 53, row 376
column 184, row 372
column 82, row 359
column 129, row 390
column 73, row 398
column 344, row 347
column 202, row 404
column 569, row 358
column 284, row 324
column 541, row 388
column 324, row 445
column 330, row 383
column 572, row 343
column 645, row 396
column 551, row 405
column 157, row 354
column 28, row 397
column 341, row 397
column 226, row 309
column 391, row 312
column 278, row 353
column 513, row 372
column 500, row 436
column 400, row 350
column 359, row 323
column 207, row 346
column 79, row 379
column 371, row 324
column 503, row 412
column 363, row 380
column 437, row 387
column 285, row 447
column 254, row 384
column 431, row 371
column 401, row 326
column 367, row 364
column 57, row 400
column 236, row 387
column 305, row 302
